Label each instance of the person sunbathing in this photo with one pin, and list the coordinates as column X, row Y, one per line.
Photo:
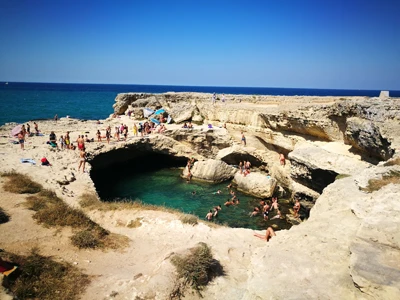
column 268, row 234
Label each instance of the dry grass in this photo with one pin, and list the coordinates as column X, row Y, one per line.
column 20, row 184
column 376, row 184
column 92, row 202
column 52, row 211
column 40, row 277
column 4, row 217
column 393, row 162
column 189, row 219
column 196, row 269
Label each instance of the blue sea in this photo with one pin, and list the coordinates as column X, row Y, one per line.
column 21, row 102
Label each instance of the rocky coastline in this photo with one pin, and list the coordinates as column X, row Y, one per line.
column 348, row 248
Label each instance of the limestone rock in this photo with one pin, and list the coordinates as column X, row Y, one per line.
column 256, row 184
column 235, row 154
column 316, row 167
column 365, row 136
column 182, row 112
column 205, row 142
column 211, row 170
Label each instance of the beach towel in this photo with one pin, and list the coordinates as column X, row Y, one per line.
column 28, row 160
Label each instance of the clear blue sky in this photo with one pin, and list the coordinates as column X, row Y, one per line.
column 343, row 44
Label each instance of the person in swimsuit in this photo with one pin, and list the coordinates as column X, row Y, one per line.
column 268, row 234
column 135, row 130
column 36, row 126
column 28, row 129
column 21, row 139
column 209, row 216
column 282, row 159
column 255, row 212
column 265, row 215
column 108, row 135
column 67, row 140
column 82, row 159
column 243, row 139
column 56, row 118
column 81, row 142
column 98, row 135
column 296, row 208
column 277, row 216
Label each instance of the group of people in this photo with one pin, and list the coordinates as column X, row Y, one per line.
column 214, row 98
column 265, row 207
column 188, row 125
column 26, row 131
column 244, row 168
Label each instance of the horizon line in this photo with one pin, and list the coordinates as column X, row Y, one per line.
column 209, row 86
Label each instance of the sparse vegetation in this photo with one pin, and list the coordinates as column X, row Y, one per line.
column 377, row 184
column 341, row 176
column 52, row 211
column 196, row 269
column 189, row 219
column 393, row 162
column 40, row 277
column 20, row 184
column 4, row 217
column 85, row 239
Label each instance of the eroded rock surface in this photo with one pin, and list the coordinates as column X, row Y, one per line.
column 211, row 170
column 256, row 184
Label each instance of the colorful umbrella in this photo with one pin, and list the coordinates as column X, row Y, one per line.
column 147, row 112
column 155, row 121
column 159, row 111
column 16, row 130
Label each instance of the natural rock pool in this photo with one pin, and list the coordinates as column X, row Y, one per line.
column 156, row 180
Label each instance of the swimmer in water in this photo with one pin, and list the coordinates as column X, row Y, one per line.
column 194, row 193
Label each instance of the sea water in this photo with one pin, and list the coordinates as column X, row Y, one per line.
column 165, row 187
column 21, row 102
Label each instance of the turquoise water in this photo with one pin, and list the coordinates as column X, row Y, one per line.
column 166, row 187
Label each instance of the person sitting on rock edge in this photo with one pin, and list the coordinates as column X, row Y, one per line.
column 268, row 234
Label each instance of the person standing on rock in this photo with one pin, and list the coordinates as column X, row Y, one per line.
column 21, row 139
column 36, row 126
column 296, row 208
column 282, row 159
column 214, row 97
column 243, row 139
column 82, row 159
column 56, row 118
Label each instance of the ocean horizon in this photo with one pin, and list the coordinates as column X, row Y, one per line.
column 24, row 101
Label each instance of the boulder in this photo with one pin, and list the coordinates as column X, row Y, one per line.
column 205, row 142
column 316, row 167
column 365, row 136
column 235, row 154
column 256, row 184
column 211, row 170
column 183, row 112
